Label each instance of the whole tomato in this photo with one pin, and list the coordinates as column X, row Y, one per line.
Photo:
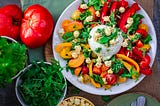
column 10, row 20
column 37, row 26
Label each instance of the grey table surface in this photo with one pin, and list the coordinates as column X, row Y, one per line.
column 8, row 96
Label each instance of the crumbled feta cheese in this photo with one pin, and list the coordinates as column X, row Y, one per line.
column 128, row 26
column 89, row 19
column 130, row 20
column 76, row 34
column 77, row 101
column 104, row 80
column 88, row 60
column 108, row 63
column 97, row 13
column 112, row 42
column 61, row 32
column 110, row 71
column 98, row 64
column 96, row 36
column 84, row 6
column 121, row 9
column 125, row 43
column 77, row 49
column 106, row 18
column 74, row 40
column 80, row 79
column 74, row 54
column 108, row 30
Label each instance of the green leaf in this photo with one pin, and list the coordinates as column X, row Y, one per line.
column 97, row 79
column 98, row 50
column 147, row 39
column 117, row 65
column 106, row 98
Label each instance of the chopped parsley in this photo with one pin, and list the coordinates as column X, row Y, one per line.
column 98, row 50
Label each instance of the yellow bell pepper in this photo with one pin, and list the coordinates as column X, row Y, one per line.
column 129, row 67
column 123, row 57
column 66, row 53
column 60, row 46
column 90, row 68
column 146, row 47
column 121, row 79
column 95, row 84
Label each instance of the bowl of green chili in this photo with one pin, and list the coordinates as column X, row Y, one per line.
column 41, row 84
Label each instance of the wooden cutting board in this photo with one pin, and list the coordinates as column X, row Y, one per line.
column 149, row 85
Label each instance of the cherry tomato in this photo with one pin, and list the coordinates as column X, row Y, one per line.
column 10, row 20
column 37, row 26
column 111, row 79
column 85, row 70
column 145, row 61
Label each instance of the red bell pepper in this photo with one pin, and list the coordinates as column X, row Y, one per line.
column 139, row 44
column 80, row 9
column 104, row 12
column 142, row 32
column 130, row 12
column 123, row 3
column 146, row 71
column 113, row 7
column 145, row 61
column 97, row 70
column 138, row 52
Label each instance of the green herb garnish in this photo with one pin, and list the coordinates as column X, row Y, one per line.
column 42, row 84
column 97, row 78
column 12, row 59
column 98, row 50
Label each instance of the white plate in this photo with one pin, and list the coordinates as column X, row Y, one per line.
column 89, row 88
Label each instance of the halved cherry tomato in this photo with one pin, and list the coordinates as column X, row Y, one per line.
column 110, row 79
column 113, row 6
column 104, row 12
column 85, row 70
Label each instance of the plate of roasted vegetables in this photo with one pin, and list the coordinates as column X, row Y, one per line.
column 106, row 47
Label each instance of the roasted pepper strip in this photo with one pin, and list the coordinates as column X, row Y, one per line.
column 129, row 67
column 66, row 53
column 146, row 47
column 142, row 32
column 90, row 68
column 123, row 57
column 104, row 12
column 60, row 46
column 130, row 12
column 123, row 3
column 113, row 7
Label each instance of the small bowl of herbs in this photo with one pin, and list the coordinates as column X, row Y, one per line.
column 13, row 59
column 41, row 84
